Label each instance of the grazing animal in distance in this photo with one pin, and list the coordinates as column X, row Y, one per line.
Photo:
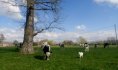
column 86, row 47
column 106, row 45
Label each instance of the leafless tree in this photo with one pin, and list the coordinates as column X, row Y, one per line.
column 31, row 29
column 81, row 40
column 2, row 38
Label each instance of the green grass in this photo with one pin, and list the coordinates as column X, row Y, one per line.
column 61, row 59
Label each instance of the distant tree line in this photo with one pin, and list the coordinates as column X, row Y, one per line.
column 80, row 40
column 110, row 40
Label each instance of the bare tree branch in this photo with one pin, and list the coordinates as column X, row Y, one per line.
column 51, row 25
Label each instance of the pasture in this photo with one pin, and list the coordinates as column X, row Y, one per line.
column 61, row 59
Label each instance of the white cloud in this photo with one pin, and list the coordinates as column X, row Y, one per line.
column 7, row 9
column 81, row 27
column 90, row 36
column 111, row 2
column 12, row 34
column 98, row 35
column 17, row 34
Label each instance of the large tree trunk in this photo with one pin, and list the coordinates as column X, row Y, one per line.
column 27, row 47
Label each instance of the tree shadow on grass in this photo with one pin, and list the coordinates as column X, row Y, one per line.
column 39, row 57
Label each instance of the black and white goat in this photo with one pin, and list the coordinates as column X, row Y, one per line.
column 46, row 50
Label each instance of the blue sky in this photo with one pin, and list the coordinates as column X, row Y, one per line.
column 86, row 18
column 89, row 13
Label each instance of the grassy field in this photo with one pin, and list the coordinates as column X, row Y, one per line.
column 61, row 59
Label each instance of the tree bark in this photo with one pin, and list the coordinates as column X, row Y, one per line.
column 27, row 47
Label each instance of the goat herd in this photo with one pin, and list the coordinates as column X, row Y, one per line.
column 47, row 51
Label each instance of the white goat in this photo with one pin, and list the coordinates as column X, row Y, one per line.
column 80, row 54
column 86, row 49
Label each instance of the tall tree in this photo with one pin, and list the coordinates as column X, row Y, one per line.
column 46, row 6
